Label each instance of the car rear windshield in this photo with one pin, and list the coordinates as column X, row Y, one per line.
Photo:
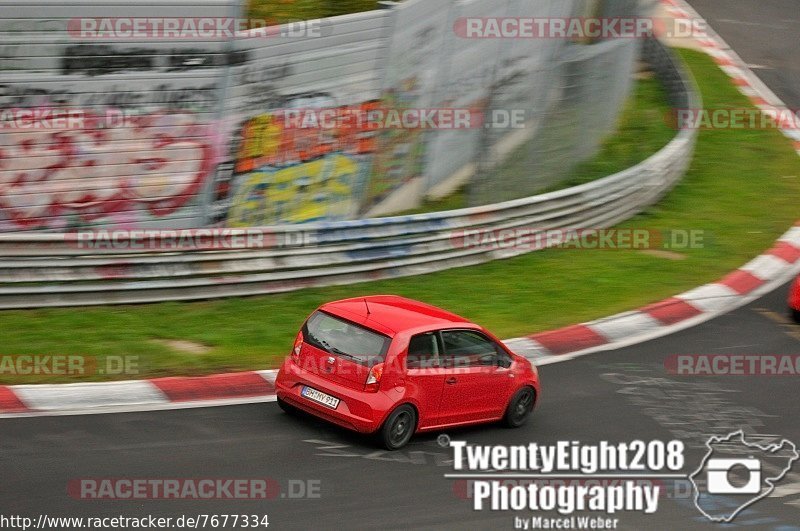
column 345, row 339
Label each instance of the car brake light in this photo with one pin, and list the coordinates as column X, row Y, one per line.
column 298, row 344
column 374, row 378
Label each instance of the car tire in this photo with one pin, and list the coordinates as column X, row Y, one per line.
column 520, row 407
column 795, row 315
column 287, row 408
column 398, row 428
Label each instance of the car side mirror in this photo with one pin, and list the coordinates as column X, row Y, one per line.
column 503, row 359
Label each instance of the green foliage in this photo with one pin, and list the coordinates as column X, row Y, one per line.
column 280, row 11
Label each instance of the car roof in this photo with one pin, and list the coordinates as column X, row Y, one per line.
column 390, row 314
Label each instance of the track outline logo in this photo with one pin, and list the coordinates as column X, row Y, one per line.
column 771, row 481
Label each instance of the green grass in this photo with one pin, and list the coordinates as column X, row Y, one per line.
column 743, row 187
column 281, row 11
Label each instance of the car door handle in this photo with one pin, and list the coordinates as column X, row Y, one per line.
column 451, row 380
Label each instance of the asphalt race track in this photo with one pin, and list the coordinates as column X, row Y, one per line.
column 615, row 396
column 766, row 34
column 589, row 399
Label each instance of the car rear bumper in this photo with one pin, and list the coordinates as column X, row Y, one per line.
column 357, row 410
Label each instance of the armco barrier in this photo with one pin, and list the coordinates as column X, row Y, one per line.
column 45, row 270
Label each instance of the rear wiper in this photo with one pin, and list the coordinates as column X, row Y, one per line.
column 345, row 354
column 334, row 350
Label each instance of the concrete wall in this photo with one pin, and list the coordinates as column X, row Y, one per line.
column 203, row 139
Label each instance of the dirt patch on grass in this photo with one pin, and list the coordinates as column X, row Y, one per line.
column 669, row 255
column 189, row 347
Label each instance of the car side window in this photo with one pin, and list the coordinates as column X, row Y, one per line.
column 423, row 352
column 465, row 348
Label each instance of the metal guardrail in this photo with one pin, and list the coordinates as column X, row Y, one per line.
column 48, row 270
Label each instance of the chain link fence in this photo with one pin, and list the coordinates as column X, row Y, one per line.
column 184, row 130
column 41, row 270
column 573, row 102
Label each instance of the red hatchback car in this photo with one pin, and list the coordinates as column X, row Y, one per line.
column 393, row 367
column 794, row 300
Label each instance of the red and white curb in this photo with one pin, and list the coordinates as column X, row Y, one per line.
column 760, row 276
column 138, row 395
column 746, row 284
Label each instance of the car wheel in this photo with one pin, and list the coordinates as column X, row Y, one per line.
column 519, row 408
column 288, row 409
column 398, row 428
column 796, row 315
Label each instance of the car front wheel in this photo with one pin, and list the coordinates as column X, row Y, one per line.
column 796, row 315
column 520, row 407
column 398, row 428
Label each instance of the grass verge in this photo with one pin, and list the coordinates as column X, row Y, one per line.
column 282, row 11
column 743, row 189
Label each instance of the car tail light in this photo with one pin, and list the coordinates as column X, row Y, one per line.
column 298, row 344
column 374, row 378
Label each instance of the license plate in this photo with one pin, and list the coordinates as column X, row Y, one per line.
column 320, row 397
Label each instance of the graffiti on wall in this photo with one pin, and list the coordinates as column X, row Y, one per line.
column 310, row 191
column 147, row 167
column 216, row 150
column 134, row 156
column 400, row 152
column 286, row 174
column 194, row 97
column 398, row 156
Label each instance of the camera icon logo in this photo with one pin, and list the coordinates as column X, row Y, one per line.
column 720, row 472
column 735, row 473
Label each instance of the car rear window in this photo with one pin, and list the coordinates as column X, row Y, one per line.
column 345, row 339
